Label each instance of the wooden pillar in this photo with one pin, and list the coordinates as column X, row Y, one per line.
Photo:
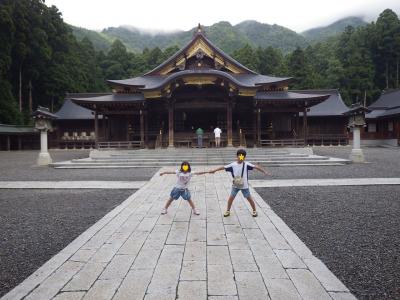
column 19, row 143
column 8, row 143
column 229, row 121
column 259, row 127
column 170, row 124
column 96, row 129
column 141, row 113
column 255, row 127
column 127, row 127
column 305, row 129
column 104, row 122
column 146, row 128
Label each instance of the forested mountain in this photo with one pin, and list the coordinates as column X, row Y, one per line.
column 41, row 59
column 322, row 33
column 227, row 37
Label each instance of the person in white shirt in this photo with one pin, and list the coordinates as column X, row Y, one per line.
column 184, row 174
column 239, row 170
column 217, row 133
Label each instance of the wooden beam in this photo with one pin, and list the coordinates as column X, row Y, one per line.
column 229, row 121
column 258, row 126
column 96, row 129
column 171, row 124
column 142, row 128
column 146, row 128
column 305, row 129
column 255, row 126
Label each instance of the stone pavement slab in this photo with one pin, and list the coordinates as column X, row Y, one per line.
column 136, row 253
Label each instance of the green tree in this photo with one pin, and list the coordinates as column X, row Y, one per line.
column 247, row 57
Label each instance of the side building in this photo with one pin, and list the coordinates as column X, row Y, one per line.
column 383, row 122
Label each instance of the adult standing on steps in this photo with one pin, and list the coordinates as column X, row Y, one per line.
column 199, row 133
column 217, row 134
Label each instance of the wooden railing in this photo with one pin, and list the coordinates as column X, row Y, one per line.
column 76, row 144
column 328, row 140
column 119, row 145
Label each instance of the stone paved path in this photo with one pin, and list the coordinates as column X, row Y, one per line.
column 136, row 253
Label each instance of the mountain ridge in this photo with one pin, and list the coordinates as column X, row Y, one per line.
column 226, row 36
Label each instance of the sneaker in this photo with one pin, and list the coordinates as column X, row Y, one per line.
column 196, row 212
column 254, row 214
column 227, row 213
column 164, row 211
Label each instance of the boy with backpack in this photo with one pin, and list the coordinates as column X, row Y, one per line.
column 239, row 170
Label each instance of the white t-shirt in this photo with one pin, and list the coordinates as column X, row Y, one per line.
column 183, row 179
column 236, row 170
column 217, row 132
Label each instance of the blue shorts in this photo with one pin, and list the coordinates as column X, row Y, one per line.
column 245, row 192
column 176, row 193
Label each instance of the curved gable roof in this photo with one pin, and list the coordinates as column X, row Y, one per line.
column 198, row 38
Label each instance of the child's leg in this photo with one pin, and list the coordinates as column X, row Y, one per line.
column 246, row 194
column 230, row 201
column 191, row 204
column 251, row 201
column 168, row 203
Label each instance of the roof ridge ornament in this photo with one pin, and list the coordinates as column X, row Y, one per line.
column 199, row 30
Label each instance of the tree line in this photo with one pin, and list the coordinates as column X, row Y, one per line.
column 41, row 60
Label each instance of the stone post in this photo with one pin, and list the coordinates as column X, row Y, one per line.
column 44, row 157
column 43, row 117
column 356, row 121
column 357, row 155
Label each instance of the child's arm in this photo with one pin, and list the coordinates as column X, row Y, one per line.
column 164, row 173
column 216, row 170
column 262, row 170
column 201, row 173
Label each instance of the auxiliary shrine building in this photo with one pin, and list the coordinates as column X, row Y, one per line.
column 200, row 86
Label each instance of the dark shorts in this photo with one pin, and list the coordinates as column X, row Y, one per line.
column 245, row 192
column 176, row 193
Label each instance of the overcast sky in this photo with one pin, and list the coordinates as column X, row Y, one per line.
column 298, row 15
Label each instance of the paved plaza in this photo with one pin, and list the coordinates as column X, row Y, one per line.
column 135, row 253
column 343, row 215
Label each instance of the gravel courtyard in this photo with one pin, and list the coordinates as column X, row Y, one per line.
column 37, row 224
column 354, row 230
column 381, row 162
column 20, row 165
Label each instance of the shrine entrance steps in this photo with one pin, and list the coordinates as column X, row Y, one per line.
column 174, row 156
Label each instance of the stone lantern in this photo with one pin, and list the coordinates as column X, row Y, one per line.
column 356, row 116
column 43, row 117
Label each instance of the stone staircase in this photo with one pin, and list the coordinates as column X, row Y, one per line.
column 173, row 157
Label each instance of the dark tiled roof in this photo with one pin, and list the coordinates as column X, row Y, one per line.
column 16, row 129
column 291, row 97
column 72, row 111
column 375, row 114
column 333, row 106
column 391, row 112
column 388, row 99
column 157, row 81
column 112, row 98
